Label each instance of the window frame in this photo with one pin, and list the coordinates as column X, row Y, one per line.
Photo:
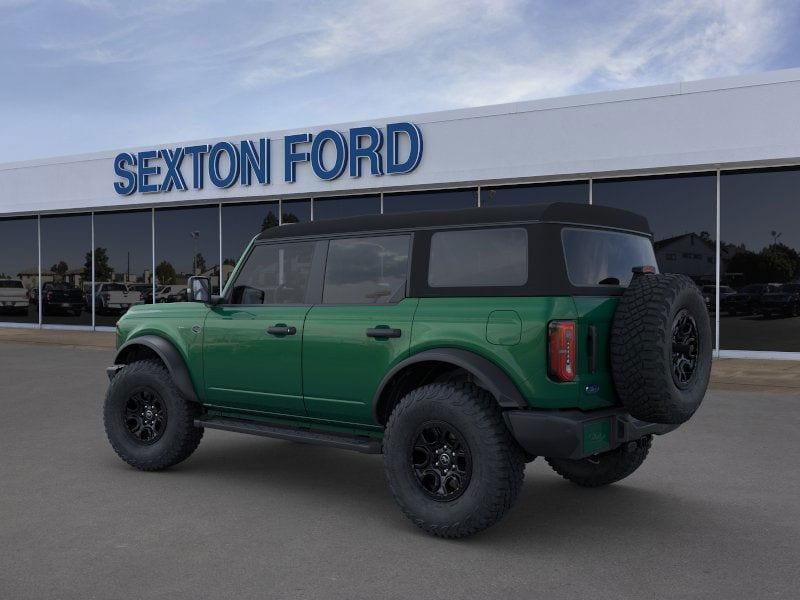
column 314, row 288
column 396, row 298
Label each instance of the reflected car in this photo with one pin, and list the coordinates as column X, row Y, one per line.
column 62, row 298
column 783, row 302
column 172, row 293
column 709, row 295
column 145, row 291
column 113, row 298
column 14, row 297
column 748, row 299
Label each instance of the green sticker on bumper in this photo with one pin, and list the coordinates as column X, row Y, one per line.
column 596, row 436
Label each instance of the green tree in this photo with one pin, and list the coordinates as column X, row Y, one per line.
column 199, row 263
column 269, row 221
column 230, row 262
column 289, row 218
column 102, row 270
column 60, row 268
column 165, row 273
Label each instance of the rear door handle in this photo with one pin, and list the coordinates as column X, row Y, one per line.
column 383, row 332
column 281, row 329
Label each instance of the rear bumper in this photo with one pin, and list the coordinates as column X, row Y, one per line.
column 575, row 434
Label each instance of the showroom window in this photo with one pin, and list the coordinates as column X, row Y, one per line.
column 760, row 244
column 187, row 243
column 295, row 211
column 439, row 200
column 681, row 211
column 123, row 263
column 240, row 224
column 519, row 195
column 346, row 206
column 19, row 270
column 368, row 270
column 66, row 269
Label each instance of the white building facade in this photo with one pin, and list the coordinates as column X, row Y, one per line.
column 714, row 165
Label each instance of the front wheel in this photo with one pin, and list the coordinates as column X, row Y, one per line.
column 450, row 461
column 149, row 423
column 605, row 468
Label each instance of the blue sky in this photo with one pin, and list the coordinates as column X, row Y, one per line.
column 86, row 75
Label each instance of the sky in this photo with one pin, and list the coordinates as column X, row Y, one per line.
column 89, row 75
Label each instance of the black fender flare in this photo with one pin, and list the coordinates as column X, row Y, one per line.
column 169, row 355
column 492, row 377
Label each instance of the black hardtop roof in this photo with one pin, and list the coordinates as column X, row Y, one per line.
column 555, row 212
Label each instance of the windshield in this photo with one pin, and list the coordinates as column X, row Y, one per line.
column 595, row 257
column 10, row 283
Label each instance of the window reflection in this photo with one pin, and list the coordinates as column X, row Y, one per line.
column 123, row 264
column 760, row 252
column 517, row 195
column 66, row 267
column 346, row 206
column 369, row 270
column 681, row 211
column 439, row 200
column 187, row 243
column 295, row 211
column 19, row 270
column 240, row 224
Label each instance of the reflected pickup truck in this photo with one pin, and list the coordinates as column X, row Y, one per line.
column 13, row 296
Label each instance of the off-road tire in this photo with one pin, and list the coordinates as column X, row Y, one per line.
column 605, row 468
column 498, row 463
column 642, row 348
column 179, row 438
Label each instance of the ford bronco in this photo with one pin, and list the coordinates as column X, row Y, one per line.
column 460, row 345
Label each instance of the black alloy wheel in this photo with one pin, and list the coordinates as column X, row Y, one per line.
column 441, row 461
column 685, row 348
column 145, row 416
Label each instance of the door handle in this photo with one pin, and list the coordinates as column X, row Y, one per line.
column 281, row 329
column 383, row 331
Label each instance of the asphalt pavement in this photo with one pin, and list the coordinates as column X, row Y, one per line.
column 713, row 513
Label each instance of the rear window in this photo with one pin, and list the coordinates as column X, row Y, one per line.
column 10, row 283
column 596, row 258
column 479, row 258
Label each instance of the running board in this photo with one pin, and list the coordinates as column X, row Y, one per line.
column 363, row 444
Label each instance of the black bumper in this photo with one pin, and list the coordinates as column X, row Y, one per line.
column 575, row 434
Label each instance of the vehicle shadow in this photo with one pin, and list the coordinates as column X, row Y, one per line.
column 549, row 512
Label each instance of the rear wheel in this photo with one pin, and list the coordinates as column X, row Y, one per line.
column 605, row 468
column 149, row 423
column 451, row 463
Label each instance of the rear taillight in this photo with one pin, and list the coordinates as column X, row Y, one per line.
column 561, row 350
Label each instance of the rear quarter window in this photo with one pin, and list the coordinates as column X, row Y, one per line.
column 596, row 257
column 494, row 257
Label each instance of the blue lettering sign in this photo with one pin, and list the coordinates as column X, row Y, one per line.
column 317, row 148
column 395, row 150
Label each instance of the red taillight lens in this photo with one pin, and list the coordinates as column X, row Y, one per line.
column 561, row 350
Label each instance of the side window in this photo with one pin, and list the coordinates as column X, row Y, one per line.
column 274, row 274
column 368, row 270
column 479, row 258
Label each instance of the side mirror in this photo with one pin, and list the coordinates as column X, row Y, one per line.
column 200, row 289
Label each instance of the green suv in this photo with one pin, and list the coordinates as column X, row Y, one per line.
column 460, row 345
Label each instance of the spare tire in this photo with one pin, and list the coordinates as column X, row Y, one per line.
column 661, row 348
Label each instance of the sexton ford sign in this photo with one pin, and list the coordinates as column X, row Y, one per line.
column 225, row 164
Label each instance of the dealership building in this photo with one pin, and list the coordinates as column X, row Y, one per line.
column 714, row 165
